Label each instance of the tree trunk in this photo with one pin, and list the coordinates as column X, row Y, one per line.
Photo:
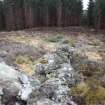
column 98, row 20
column 29, row 16
column 9, row 15
column 13, row 15
column 47, row 17
column 59, row 14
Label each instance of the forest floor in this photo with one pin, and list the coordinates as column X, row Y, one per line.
column 24, row 49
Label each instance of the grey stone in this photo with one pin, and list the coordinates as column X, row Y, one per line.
column 55, row 89
column 40, row 70
column 53, row 63
column 13, row 84
column 9, row 77
column 58, row 77
column 43, row 101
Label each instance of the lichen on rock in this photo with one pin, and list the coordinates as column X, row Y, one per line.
column 57, row 76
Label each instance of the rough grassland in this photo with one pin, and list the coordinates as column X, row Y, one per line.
column 25, row 48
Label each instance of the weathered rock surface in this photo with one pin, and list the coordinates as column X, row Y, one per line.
column 57, row 77
column 9, row 77
column 50, row 85
column 15, row 87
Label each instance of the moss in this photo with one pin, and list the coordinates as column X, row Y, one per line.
column 54, row 38
column 95, row 96
column 91, row 91
column 72, row 43
column 43, row 61
column 81, row 88
column 23, row 59
column 20, row 60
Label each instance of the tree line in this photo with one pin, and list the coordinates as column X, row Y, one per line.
column 20, row 14
column 96, row 14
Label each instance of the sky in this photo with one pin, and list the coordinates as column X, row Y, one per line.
column 85, row 4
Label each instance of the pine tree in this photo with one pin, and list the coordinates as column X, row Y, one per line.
column 90, row 13
column 30, row 13
column 2, row 21
column 13, row 12
column 100, row 14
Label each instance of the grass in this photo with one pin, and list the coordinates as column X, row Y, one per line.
column 26, row 63
column 72, row 43
column 92, row 88
column 93, row 93
column 54, row 38
column 86, row 66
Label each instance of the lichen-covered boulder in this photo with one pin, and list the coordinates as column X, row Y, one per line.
column 57, row 77
column 55, row 89
column 15, row 87
column 45, row 101
column 9, row 78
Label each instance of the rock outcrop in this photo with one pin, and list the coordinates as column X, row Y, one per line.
column 15, row 87
column 57, row 77
column 50, row 85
